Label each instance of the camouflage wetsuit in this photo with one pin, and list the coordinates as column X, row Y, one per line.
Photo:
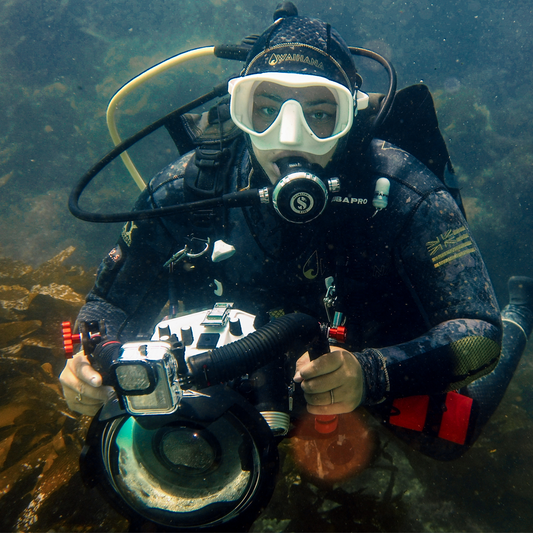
column 421, row 313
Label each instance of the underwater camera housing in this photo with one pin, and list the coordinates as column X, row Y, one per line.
column 145, row 376
column 148, row 376
column 188, row 442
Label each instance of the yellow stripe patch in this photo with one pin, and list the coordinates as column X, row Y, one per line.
column 449, row 246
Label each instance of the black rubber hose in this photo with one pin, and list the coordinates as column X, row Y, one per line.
column 232, row 51
column 389, row 97
column 74, row 198
column 293, row 332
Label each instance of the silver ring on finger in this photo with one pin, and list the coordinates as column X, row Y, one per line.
column 332, row 397
column 80, row 392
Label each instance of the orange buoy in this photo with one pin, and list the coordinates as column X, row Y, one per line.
column 337, row 455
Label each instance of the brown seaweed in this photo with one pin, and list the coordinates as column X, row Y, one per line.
column 40, row 439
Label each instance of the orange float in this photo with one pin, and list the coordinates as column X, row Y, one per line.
column 333, row 456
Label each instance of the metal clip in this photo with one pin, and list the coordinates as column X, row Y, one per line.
column 330, row 297
column 185, row 253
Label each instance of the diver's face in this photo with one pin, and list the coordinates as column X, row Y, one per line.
column 267, row 159
column 291, row 114
column 318, row 105
column 319, row 108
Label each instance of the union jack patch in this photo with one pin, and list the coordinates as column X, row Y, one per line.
column 450, row 245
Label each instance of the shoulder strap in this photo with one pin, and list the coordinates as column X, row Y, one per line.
column 215, row 139
column 193, row 129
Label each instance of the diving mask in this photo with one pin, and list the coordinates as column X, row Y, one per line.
column 286, row 111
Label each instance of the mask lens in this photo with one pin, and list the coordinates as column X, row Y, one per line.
column 319, row 106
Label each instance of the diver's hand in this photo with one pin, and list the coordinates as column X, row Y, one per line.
column 82, row 386
column 332, row 384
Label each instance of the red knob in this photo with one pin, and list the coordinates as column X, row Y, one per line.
column 326, row 423
column 338, row 333
column 69, row 339
column 340, row 455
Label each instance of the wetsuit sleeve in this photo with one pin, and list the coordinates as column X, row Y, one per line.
column 438, row 260
column 132, row 283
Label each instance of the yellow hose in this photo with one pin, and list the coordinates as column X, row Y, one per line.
column 134, row 84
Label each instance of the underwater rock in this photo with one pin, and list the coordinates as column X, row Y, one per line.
column 37, row 311
column 40, row 439
column 32, row 347
column 32, row 463
column 13, row 298
column 13, row 270
column 8, row 414
column 41, row 293
column 57, row 472
column 53, row 302
column 53, row 270
column 13, row 330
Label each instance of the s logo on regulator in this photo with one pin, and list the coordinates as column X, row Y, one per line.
column 302, row 203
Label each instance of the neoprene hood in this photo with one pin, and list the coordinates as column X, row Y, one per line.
column 303, row 45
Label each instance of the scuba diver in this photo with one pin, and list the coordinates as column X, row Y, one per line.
column 376, row 244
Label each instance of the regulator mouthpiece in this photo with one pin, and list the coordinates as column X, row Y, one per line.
column 300, row 195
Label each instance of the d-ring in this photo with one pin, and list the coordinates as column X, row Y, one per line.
column 332, row 397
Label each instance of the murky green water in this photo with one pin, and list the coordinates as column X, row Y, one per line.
column 61, row 61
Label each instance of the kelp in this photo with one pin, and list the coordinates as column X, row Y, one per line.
column 40, row 438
